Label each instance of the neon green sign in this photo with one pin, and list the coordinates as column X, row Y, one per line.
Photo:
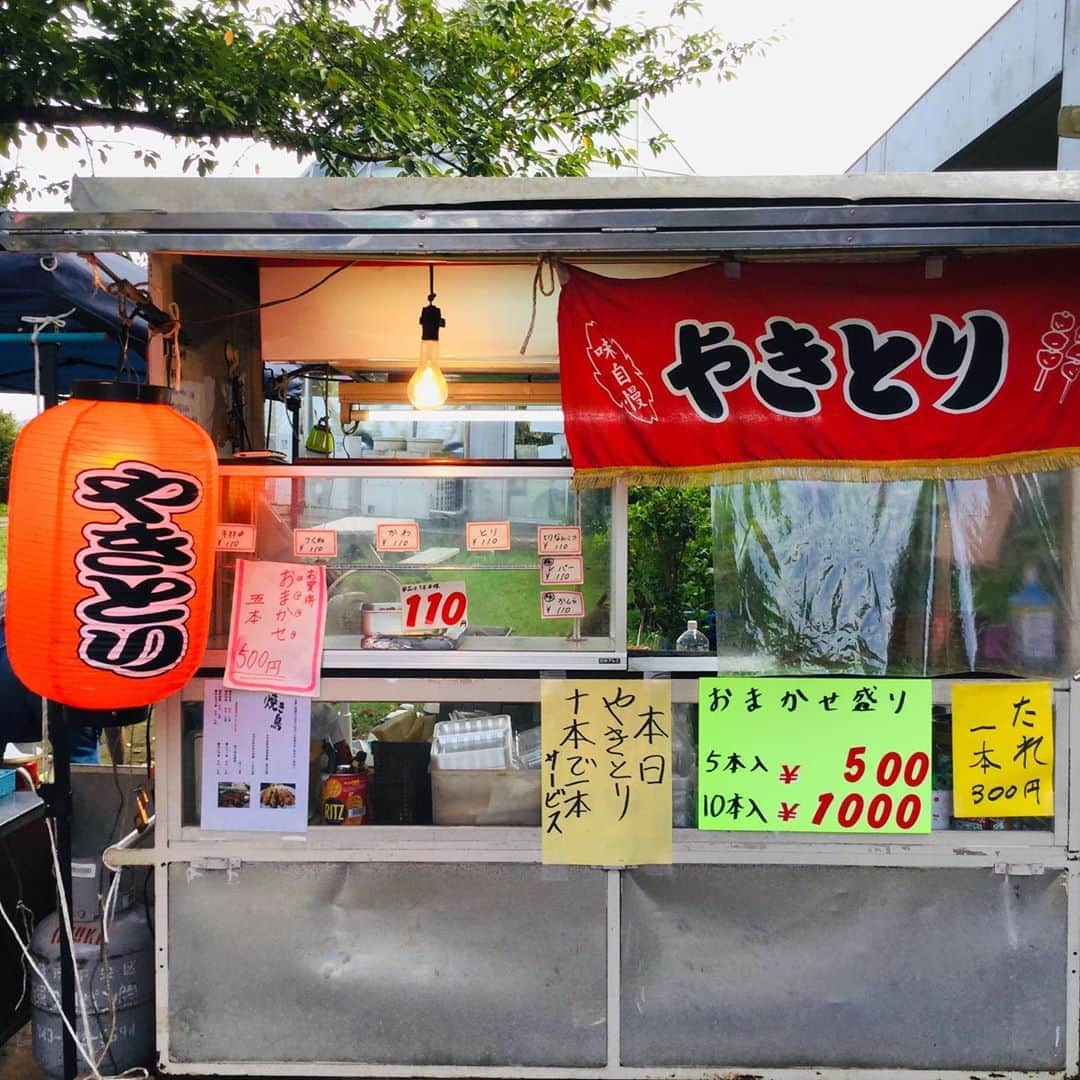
column 814, row 755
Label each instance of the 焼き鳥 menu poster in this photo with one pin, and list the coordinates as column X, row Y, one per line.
column 814, row 755
column 254, row 760
column 606, row 771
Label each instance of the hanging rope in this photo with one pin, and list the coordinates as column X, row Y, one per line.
column 41, row 323
column 170, row 343
column 539, row 288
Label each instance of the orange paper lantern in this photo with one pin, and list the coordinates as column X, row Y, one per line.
column 112, row 507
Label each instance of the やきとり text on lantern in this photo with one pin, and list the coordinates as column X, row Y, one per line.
column 113, row 505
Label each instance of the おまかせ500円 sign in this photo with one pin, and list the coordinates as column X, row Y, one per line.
column 814, row 755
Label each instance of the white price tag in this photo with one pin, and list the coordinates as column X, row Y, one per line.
column 564, row 570
column 487, row 535
column 558, row 540
column 397, row 536
column 235, row 537
column 562, row 605
column 314, row 543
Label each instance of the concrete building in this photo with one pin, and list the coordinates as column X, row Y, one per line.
column 998, row 106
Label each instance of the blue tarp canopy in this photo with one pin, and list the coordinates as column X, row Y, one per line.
column 27, row 288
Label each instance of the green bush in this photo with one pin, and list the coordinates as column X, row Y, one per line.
column 670, row 562
column 9, row 428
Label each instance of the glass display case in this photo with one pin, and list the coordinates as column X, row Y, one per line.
column 531, row 573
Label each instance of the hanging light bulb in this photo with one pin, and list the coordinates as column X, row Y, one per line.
column 427, row 387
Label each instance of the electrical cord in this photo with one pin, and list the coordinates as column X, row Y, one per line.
column 274, row 303
column 146, row 898
column 65, row 917
column 116, row 820
column 149, row 784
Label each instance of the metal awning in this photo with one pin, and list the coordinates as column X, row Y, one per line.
column 403, row 218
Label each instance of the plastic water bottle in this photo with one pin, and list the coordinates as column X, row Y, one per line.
column 692, row 639
column 1032, row 637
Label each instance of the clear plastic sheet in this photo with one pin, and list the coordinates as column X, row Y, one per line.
column 931, row 577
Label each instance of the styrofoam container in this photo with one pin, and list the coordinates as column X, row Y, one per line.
column 485, row 796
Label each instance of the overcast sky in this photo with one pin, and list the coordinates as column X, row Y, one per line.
column 839, row 74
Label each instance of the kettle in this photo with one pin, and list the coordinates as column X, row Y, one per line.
column 320, row 438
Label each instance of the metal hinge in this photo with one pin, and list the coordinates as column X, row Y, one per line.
column 1068, row 122
column 199, row 866
column 1012, row 869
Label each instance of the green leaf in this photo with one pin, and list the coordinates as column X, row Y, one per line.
column 483, row 87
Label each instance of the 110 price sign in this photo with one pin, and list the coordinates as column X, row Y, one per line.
column 433, row 605
column 815, row 755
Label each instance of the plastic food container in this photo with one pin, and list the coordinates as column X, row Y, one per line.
column 485, row 796
column 7, row 782
column 482, row 742
column 381, row 619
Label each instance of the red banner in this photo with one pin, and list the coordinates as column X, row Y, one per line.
column 830, row 370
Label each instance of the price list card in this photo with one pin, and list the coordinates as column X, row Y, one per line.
column 276, row 629
column 1003, row 750
column 814, row 755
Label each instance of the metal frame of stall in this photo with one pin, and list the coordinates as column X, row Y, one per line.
column 632, row 220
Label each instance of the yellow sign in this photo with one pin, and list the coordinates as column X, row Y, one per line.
column 606, row 771
column 1003, row 750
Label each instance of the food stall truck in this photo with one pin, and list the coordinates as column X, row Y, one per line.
column 886, row 936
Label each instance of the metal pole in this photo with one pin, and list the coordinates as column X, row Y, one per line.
column 60, row 736
column 50, row 374
column 60, row 801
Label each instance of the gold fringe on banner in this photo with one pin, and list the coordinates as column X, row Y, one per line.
column 742, row 472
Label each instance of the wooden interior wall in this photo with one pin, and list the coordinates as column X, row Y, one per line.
column 220, row 341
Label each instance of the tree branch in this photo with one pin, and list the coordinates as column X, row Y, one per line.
column 79, row 116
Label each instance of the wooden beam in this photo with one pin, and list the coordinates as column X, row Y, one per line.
column 362, row 394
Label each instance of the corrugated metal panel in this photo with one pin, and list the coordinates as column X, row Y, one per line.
column 451, row 965
column 843, row 966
